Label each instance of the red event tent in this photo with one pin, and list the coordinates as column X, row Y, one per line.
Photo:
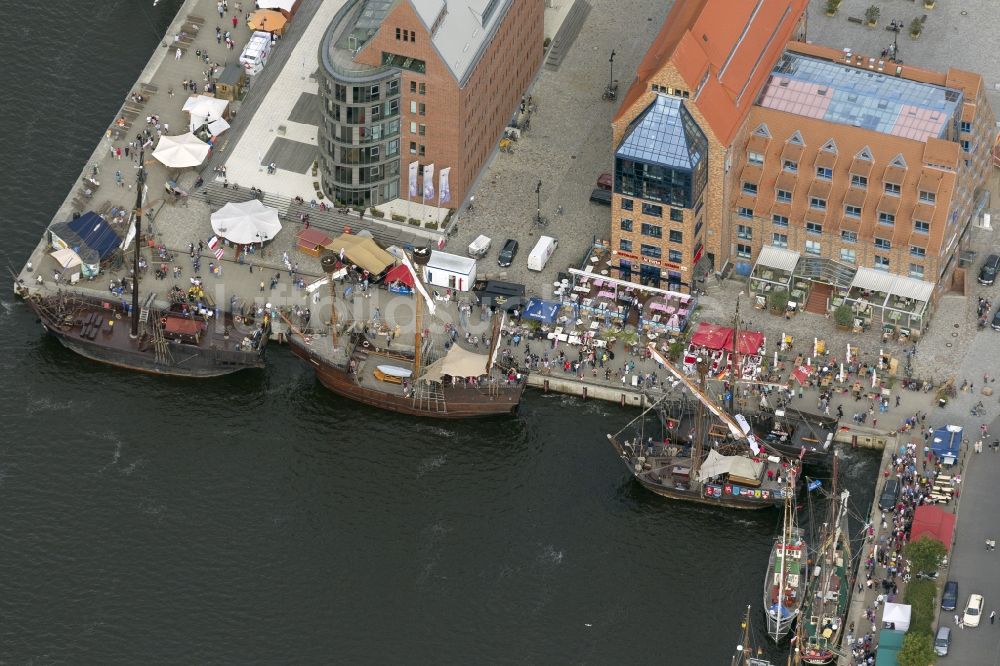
column 399, row 274
column 935, row 522
column 713, row 336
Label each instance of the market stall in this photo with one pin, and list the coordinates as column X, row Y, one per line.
column 450, row 271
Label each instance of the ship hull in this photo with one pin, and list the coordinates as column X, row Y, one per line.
column 343, row 384
column 698, row 498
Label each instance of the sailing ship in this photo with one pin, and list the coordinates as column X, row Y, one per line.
column 796, row 434
column 736, row 472
column 784, row 582
column 182, row 340
column 460, row 383
column 745, row 653
column 828, row 593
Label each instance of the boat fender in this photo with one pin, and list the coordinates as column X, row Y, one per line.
column 365, row 344
column 163, row 321
column 118, row 315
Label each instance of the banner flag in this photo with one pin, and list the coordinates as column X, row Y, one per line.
column 413, row 178
column 444, row 189
column 429, row 182
column 213, row 242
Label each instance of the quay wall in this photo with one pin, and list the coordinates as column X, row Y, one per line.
column 624, row 396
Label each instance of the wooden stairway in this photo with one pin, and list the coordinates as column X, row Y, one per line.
column 819, row 296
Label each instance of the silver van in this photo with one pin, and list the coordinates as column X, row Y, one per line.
column 942, row 641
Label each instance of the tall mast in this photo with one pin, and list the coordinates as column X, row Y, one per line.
column 736, row 356
column 139, row 183
column 417, row 339
column 699, row 427
column 333, row 311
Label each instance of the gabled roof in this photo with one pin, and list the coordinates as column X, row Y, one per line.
column 723, row 50
column 460, row 29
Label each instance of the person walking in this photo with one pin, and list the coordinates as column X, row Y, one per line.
column 993, row 617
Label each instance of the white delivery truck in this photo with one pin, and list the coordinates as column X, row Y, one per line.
column 479, row 247
column 256, row 53
column 540, row 254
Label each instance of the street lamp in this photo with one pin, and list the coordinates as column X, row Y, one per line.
column 895, row 26
column 538, row 193
column 611, row 62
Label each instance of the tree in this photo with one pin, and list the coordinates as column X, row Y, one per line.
column 925, row 554
column 843, row 315
column 917, row 650
column 872, row 14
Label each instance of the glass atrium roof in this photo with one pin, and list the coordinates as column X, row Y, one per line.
column 664, row 134
column 857, row 97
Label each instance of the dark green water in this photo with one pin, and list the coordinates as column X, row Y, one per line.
column 258, row 519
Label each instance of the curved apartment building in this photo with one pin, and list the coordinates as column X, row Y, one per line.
column 420, row 82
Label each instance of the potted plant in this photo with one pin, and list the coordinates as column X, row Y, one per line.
column 843, row 316
column 675, row 350
column 916, row 27
column 872, row 14
column 629, row 338
column 831, row 7
column 929, row 4
column 777, row 301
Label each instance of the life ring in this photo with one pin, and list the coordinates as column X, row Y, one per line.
column 238, row 319
column 365, row 344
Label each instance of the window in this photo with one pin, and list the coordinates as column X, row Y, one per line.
column 750, row 188
column 413, row 147
column 413, row 106
column 393, row 107
column 652, row 230
column 779, row 240
column 625, row 245
column 413, row 86
column 881, row 263
column 814, row 228
column 745, row 232
column 676, row 236
column 928, row 197
column 626, row 204
column 852, row 211
column 966, row 145
column 422, row 129
column 421, row 109
column 917, row 271
column 817, row 203
column 860, row 182
column 652, row 209
column 892, row 188
column 743, row 250
column 883, row 243
column 392, row 88
column 790, row 166
column 965, row 126
column 921, row 227
column 398, row 31
column 849, row 236
column 813, row 247
column 676, row 214
column 886, row 218
column 697, row 228
column 780, row 220
column 745, row 213
column 917, row 251
column 651, row 251
column 422, row 89
column 675, row 256
column 413, row 128
column 421, row 150
column 625, row 224
column 784, row 196
column 824, row 173
column 755, row 158
column 847, row 255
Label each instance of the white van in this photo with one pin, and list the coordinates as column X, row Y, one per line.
column 540, row 254
column 256, row 53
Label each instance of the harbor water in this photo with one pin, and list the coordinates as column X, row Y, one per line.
column 257, row 518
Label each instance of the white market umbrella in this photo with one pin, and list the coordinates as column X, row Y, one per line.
column 66, row 257
column 184, row 150
column 217, row 127
column 204, row 109
column 246, row 222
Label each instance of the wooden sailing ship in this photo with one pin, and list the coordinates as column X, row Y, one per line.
column 181, row 340
column 460, row 383
column 731, row 473
column 787, row 570
column 745, row 654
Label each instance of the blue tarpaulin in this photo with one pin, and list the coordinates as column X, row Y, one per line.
column 947, row 441
column 90, row 231
column 544, row 311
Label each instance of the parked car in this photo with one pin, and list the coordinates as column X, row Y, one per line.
column 973, row 611
column 603, row 197
column 605, row 182
column 949, row 597
column 988, row 273
column 890, row 493
column 995, row 323
column 942, row 641
column 507, row 253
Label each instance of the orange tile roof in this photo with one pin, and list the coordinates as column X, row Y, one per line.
column 737, row 43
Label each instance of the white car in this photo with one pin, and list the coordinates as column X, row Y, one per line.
column 973, row 611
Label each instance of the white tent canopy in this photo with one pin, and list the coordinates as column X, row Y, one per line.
column 217, row 127
column 457, row 362
column 283, row 5
column 899, row 614
column 66, row 257
column 716, row 464
column 246, row 222
column 183, row 150
column 204, row 109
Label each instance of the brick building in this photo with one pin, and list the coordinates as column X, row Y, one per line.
column 845, row 172
column 426, row 81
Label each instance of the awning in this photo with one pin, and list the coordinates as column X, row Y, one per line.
column 458, row 362
column 779, row 258
column 183, row 326
column 934, row 522
column 873, row 280
column 364, row 252
column 750, row 342
column 66, row 257
column 543, row 311
column 267, row 20
column 712, row 336
column 246, row 222
column 907, row 287
column 180, row 151
column 716, row 464
column 897, row 614
column 399, row 274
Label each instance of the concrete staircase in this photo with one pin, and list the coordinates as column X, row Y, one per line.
column 567, row 34
column 819, row 296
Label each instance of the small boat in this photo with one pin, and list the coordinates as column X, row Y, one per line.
column 787, row 569
column 745, row 654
